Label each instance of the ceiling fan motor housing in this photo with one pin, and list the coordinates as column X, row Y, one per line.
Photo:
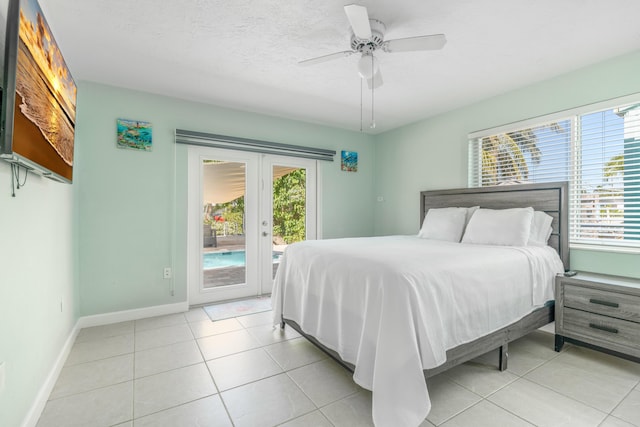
column 377, row 37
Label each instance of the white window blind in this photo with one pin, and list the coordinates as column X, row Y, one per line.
column 597, row 152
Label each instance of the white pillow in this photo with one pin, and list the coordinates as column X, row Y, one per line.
column 540, row 229
column 470, row 212
column 507, row 227
column 444, row 224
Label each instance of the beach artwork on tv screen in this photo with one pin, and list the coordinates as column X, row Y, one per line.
column 45, row 108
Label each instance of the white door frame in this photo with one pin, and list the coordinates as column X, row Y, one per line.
column 258, row 209
column 196, row 291
column 266, row 214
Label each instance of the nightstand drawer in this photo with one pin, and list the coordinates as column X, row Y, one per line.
column 603, row 302
column 602, row 330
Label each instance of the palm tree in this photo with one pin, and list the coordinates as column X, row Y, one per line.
column 502, row 160
column 612, row 196
column 614, row 167
column 503, row 155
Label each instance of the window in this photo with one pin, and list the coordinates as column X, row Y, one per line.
column 597, row 152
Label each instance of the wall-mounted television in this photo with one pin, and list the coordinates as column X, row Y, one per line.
column 38, row 113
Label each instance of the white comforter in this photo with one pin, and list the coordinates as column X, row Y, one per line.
column 393, row 306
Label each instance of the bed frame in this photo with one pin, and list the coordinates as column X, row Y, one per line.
column 551, row 198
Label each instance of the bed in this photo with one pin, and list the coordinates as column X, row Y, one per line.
column 394, row 323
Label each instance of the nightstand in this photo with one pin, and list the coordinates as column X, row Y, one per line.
column 598, row 311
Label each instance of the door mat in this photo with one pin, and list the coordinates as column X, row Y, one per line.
column 238, row 308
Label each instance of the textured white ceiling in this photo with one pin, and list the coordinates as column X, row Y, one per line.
column 243, row 53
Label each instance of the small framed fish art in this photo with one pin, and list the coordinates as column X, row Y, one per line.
column 134, row 134
column 349, row 161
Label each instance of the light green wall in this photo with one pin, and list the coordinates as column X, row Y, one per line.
column 432, row 153
column 36, row 276
column 130, row 223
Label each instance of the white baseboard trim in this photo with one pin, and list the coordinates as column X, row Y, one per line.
column 134, row 314
column 43, row 394
column 84, row 322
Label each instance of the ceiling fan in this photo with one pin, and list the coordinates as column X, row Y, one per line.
column 367, row 37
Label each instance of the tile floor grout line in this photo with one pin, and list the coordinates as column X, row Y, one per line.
column 90, row 340
column 88, row 391
column 162, row 346
column 165, row 345
column 344, row 397
column 162, row 326
column 91, row 389
column 508, row 411
column 300, row 416
column 171, row 407
column 584, row 403
column 97, row 360
column 303, row 392
column 136, row 379
column 566, row 396
column 251, row 382
column 170, row 370
column 461, row 411
column 472, row 391
column 133, row 385
column 620, row 402
column 224, row 405
column 456, row 414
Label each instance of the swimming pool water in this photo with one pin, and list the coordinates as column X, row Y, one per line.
column 228, row 259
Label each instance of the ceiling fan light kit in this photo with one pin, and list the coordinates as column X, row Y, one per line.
column 368, row 36
column 367, row 66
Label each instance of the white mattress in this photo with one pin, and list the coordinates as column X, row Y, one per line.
column 392, row 306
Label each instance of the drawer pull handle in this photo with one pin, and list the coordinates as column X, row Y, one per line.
column 601, row 302
column 603, row 328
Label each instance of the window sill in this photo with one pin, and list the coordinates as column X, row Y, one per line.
column 605, row 248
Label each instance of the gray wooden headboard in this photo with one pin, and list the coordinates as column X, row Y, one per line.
column 551, row 198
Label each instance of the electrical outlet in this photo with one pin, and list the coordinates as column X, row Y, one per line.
column 167, row 273
column 2, row 376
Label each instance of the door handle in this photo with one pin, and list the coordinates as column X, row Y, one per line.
column 265, row 234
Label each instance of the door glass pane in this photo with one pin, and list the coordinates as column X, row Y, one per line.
column 289, row 209
column 223, row 228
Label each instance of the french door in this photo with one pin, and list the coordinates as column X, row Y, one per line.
column 244, row 209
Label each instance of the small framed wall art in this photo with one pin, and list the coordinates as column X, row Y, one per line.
column 134, row 134
column 349, row 161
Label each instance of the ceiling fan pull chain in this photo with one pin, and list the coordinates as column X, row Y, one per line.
column 373, row 88
column 361, row 105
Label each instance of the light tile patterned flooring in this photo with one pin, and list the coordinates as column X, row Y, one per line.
column 184, row 370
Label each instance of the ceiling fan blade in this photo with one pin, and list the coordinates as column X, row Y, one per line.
column 376, row 81
column 326, row 58
column 431, row 42
column 359, row 20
